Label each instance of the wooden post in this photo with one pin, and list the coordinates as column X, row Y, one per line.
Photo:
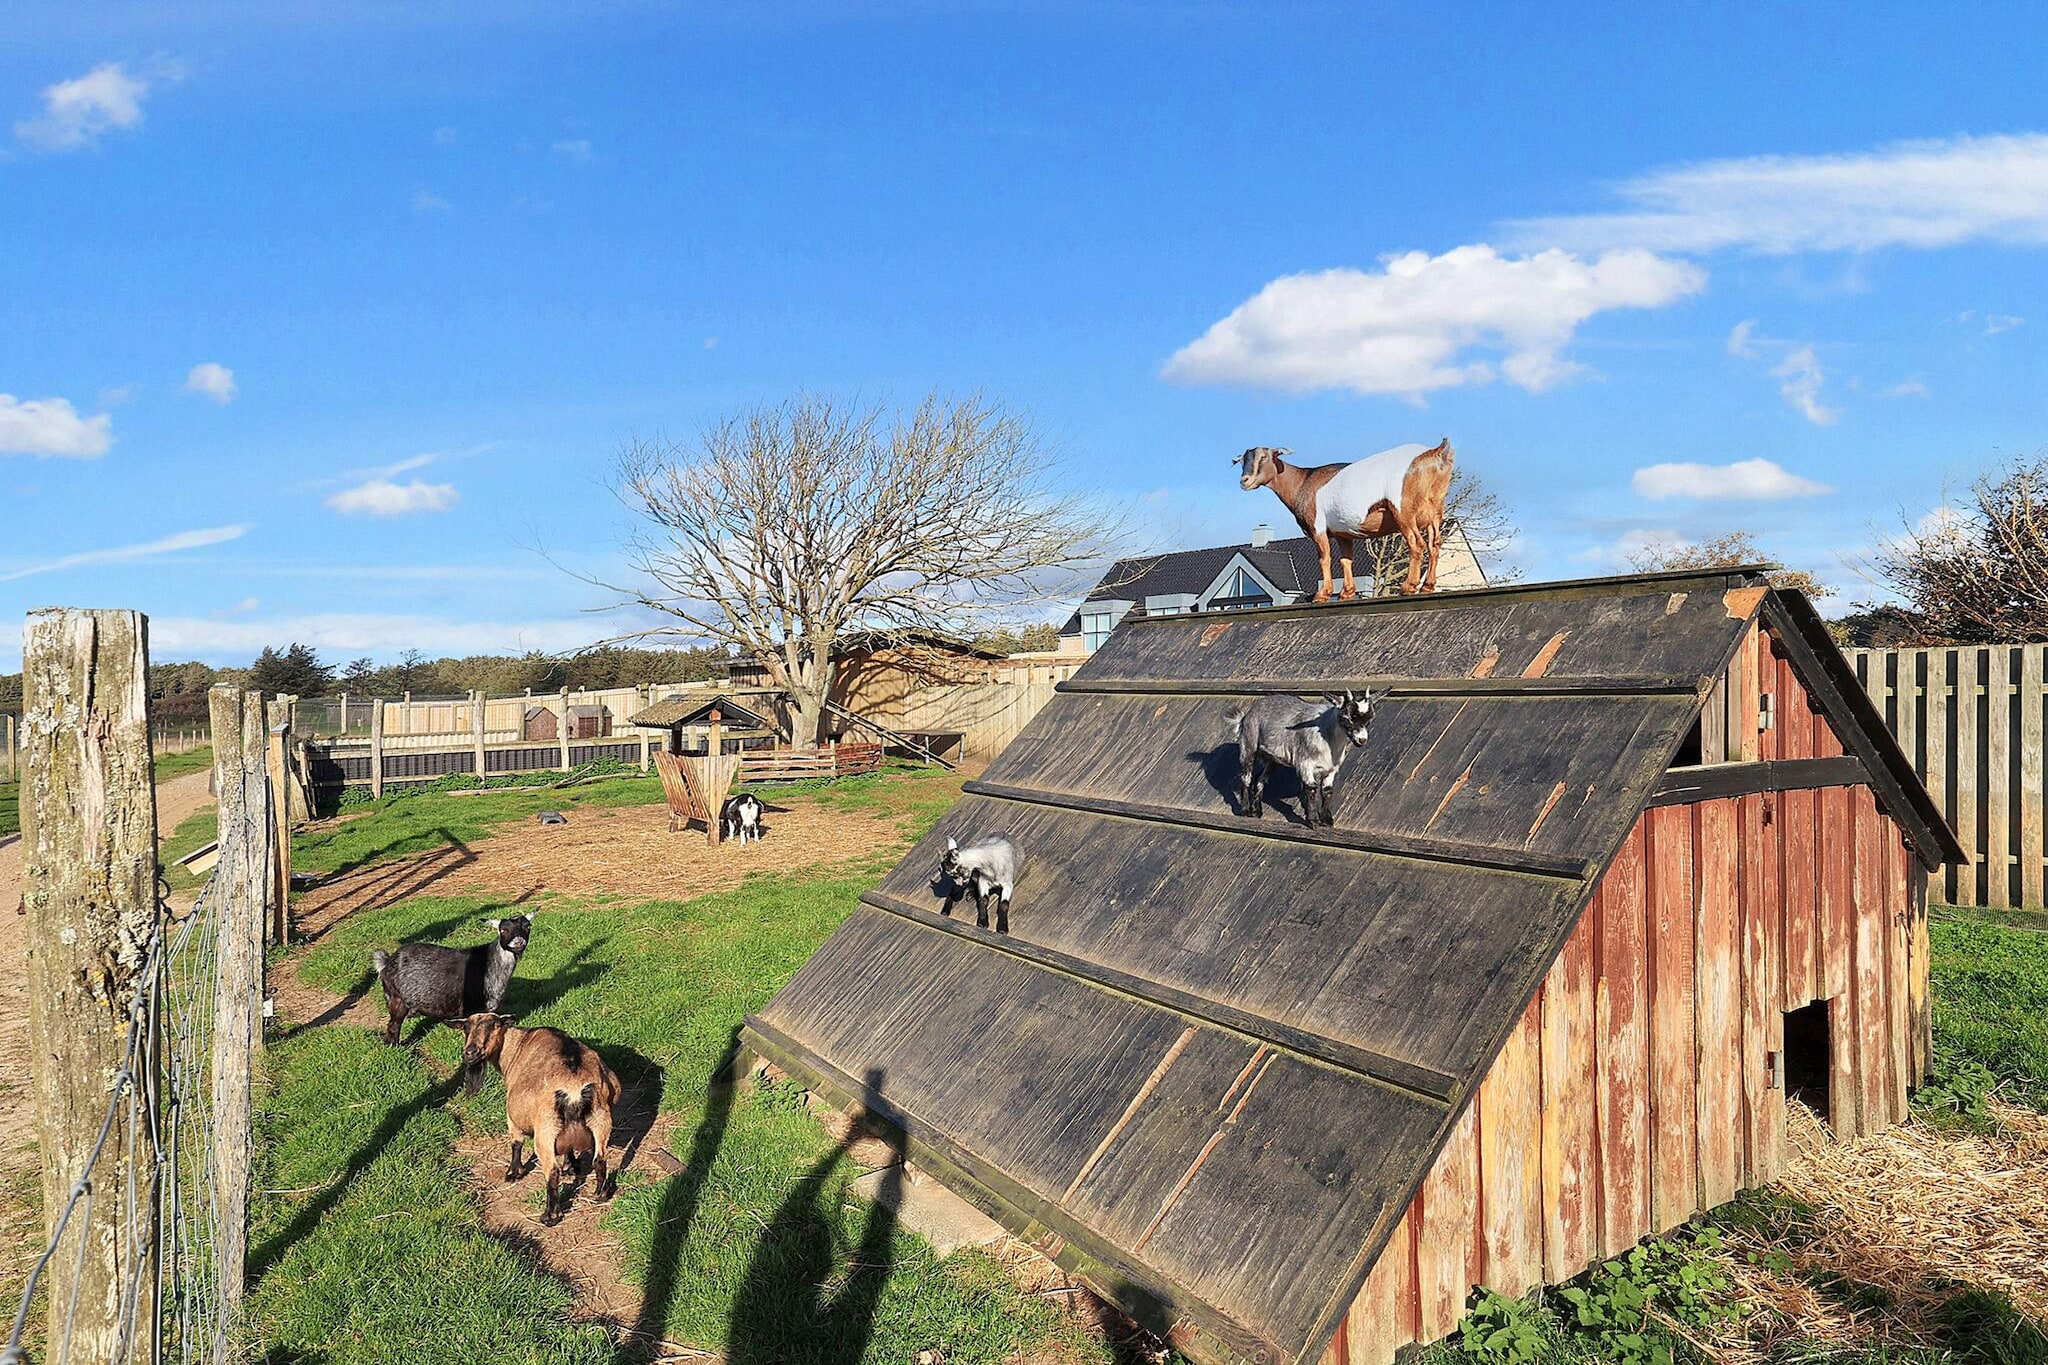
column 344, row 715
column 241, row 879
column 88, row 827
column 646, row 736
column 562, row 727
column 376, row 746
column 277, row 768
column 476, row 731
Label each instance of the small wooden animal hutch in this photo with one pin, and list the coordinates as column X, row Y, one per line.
column 1623, row 863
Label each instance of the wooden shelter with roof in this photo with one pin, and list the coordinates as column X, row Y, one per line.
column 1623, row 864
column 693, row 720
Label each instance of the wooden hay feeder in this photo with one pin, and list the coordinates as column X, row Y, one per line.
column 1623, row 863
column 696, row 785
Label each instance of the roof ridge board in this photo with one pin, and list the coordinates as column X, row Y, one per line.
column 1660, row 684
column 1745, row 574
column 1489, row 857
column 1864, row 730
column 1409, row 1078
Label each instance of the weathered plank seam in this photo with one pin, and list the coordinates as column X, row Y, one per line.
column 1188, row 1177
column 1151, row 1084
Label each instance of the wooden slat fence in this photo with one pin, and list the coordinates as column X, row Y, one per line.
column 1971, row 717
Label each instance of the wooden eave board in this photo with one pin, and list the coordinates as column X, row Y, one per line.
column 1220, row 1054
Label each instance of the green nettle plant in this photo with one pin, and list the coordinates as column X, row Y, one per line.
column 1611, row 1306
column 1501, row 1331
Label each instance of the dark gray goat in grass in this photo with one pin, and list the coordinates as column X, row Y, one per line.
column 435, row 982
column 987, row 866
column 1310, row 737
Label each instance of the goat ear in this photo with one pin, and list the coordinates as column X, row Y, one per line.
column 952, row 845
column 494, row 923
column 1283, row 450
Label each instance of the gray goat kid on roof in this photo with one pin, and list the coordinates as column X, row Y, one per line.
column 1310, row 737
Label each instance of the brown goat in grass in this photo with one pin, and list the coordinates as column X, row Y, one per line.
column 1396, row 492
column 558, row 1092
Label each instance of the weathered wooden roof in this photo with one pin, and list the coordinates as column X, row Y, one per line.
column 674, row 711
column 1215, row 1056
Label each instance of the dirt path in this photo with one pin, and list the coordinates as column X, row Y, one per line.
column 175, row 800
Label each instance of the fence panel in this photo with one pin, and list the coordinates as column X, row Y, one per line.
column 1971, row 718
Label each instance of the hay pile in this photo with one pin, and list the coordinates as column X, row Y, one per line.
column 1912, row 1212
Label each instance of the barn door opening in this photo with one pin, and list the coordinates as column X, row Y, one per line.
column 1806, row 1056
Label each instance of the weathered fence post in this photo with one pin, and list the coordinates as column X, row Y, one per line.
column 277, row 766
column 646, row 736
column 9, row 747
column 376, row 746
column 89, row 878
column 562, row 727
column 476, row 729
column 241, row 880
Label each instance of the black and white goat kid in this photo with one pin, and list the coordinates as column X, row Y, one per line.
column 437, row 982
column 740, row 818
column 986, row 867
column 1311, row 737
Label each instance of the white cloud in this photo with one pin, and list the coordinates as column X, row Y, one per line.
column 426, row 201
column 1942, row 523
column 367, row 633
column 1739, row 342
column 211, row 379
column 1994, row 323
column 105, row 99
column 1912, row 386
column 1753, row 480
column 1803, row 376
column 1927, row 194
column 172, row 544
column 1623, row 550
column 51, row 426
column 383, row 498
column 241, row 608
column 1409, row 327
column 571, row 149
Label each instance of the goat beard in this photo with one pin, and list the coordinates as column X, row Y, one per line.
column 473, row 1077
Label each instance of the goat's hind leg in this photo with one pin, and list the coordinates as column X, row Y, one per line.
column 1003, row 910
column 600, row 1141
column 980, row 904
column 513, row 1169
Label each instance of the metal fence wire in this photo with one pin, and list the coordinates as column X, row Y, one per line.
column 172, row 1308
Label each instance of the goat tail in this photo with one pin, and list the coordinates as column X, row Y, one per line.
column 1232, row 720
column 1442, row 455
column 379, row 960
column 574, row 1110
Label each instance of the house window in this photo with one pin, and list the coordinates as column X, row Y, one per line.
column 1095, row 629
column 1240, row 591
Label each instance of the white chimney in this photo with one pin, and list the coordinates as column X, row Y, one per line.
column 1262, row 535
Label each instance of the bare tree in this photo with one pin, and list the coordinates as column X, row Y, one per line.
column 1723, row 551
column 783, row 527
column 1976, row 573
column 1471, row 509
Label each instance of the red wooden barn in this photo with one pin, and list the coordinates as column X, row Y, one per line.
column 1624, row 863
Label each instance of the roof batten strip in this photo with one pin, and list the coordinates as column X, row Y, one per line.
column 1411, row 1078
column 1659, row 685
column 1389, row 845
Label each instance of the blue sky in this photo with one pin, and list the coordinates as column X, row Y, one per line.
column 311, row 329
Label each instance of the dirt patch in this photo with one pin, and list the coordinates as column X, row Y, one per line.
column 628, row 853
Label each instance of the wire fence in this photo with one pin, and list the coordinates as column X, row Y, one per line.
column 160, row 1107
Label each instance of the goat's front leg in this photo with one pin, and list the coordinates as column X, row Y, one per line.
column 1003, row 910
column 1329, row 799
column 1255, row 788
column 952, row 899
column 1346, row 548
column 1323, row 552
column 512, row 1169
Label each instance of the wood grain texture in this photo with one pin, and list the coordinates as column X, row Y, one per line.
column 1448, row 1251
column 1382, row 1318
column 1624, row 1048
column 1763, row 1023
column 1796, row 834
column 1717, row 1002
column 1897, row 928
column 1510, row 1161
column 1570, row 1183
column 1836, row 853
column 1674, row 1147
column 1873, row 1059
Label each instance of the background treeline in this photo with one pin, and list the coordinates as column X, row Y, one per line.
column 178, row 691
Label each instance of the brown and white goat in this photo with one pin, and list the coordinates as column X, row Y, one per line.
column 1399, row 491
column 558, row 1092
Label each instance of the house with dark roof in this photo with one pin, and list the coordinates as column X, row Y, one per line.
column 1265, row 571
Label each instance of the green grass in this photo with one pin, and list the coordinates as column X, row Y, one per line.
column 754, row 1250
column 199, row 828
column 10, row 808
column 197, row 760
column 1990, row 989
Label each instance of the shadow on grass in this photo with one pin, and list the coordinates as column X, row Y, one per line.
column 682, row 1194
column 263, row 1257
column 784, row 1311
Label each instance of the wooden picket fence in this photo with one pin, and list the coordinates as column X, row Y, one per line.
column 1971, row 718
